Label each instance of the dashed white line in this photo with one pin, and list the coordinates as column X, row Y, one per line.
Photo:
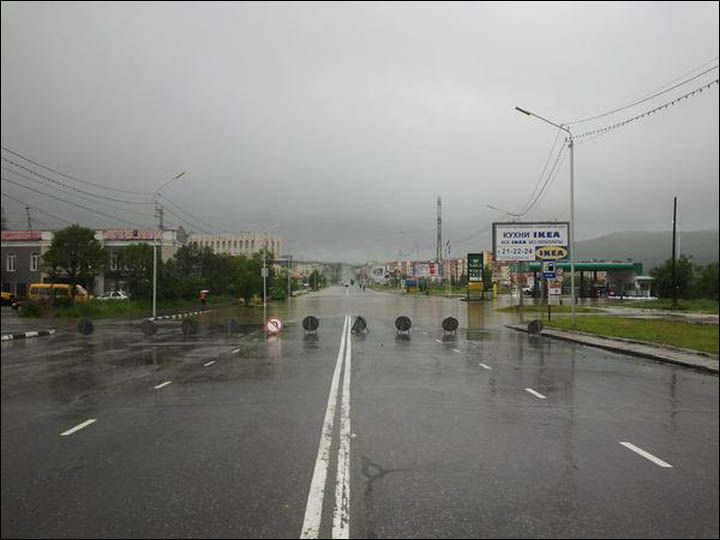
column 436, row 339
column 210, row 363
column 70, row 431
column 646, row 455
column 457, row 351
column 534, row 393
column 235, row 351
column 486, row 367
column 162, row 385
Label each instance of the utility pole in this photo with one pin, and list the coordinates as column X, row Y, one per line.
column 438, row 245
column 674, row 277
column 27, row 209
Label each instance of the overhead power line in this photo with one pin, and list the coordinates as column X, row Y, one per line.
column 73, row 188
column 180, row 209
column 606, row 129
column 194, row 226
column 69, row 202
column 82, row 197
column 26, row 205
column 70, row 177
column 644, row 99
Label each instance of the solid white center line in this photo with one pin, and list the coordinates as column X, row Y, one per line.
column 313, row 510
column 86, row 423
column 488, row 367
column 457, row 351
column 646, row 455
column 235, row 351
column 341, row 516
column 161, row 385
column 436, row 339
column 210, row 363
column 534, row 393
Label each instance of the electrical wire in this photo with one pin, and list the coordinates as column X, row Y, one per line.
column 192, row 225
column 54, row 181
column 642, row 100
column 113, row 207
column 542, row 174
column 180, row 209
column 665, row 105
column 26, row 205
column 69, row 177
column 68, row 202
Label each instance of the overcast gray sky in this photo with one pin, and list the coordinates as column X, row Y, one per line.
column 344, row 122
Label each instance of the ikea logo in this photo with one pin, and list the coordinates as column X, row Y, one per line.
column 551, row 252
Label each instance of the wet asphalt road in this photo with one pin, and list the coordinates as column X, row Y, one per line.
column 489, row 433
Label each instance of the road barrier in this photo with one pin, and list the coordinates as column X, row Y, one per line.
column 25, row 335
column 360, row 325
column 310, row 323
column 189, row 327
column 148, row 327
column 450, row 324
column 403, row 324
column 85, row 327
column 232, row 326
column 535, row 326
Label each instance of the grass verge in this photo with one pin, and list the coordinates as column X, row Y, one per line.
column 698, row 337
column 697, row 305
column 124, row 308
column 542, row 309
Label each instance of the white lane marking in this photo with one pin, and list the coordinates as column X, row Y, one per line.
column 341, row 516
column 425, row 333
column 313, row 510
column 436, row 339
column 161, row 385
column 487, row 367
column 646, row 455
column 457, row 351
column 534, row 393
column 86, row 423
column 235, row 351
column 210, row 363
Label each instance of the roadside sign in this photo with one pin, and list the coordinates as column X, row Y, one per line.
column 264, row 272
column 549, row 270
column 551, row 253
column 475, row 267
column 519, row 241
column 274, row 325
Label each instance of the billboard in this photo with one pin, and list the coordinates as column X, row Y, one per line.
column 522, row 241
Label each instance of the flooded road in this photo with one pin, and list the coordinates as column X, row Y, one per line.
column 482, row 433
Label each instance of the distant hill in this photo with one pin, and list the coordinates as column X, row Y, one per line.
column 650, row 248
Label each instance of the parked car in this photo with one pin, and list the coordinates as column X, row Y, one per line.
column 528, row 291
column 113, row 295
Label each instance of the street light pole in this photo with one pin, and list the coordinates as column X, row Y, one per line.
column 571, row 232
column 159, row 211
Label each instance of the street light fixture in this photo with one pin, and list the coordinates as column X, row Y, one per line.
column 571, row 232
column 155, row 243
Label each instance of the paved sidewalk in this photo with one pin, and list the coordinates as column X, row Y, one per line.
column 673, row 355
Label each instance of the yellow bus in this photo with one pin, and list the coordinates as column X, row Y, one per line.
column 46, row 291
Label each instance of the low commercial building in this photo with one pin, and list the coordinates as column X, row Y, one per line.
column 21, row 253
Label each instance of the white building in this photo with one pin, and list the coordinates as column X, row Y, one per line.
column 238, row 244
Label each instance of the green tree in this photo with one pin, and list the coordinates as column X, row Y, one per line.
column 137, row 262
column 706, row 285
column 247, row 277
column 76, row 255
column 684, row 273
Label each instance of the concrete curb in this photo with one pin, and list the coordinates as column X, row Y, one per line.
column 671, row 355
column 25, row 335
column 178, row 315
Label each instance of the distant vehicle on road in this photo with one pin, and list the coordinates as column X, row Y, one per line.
column 7, row 298
column 528, row 291
column 113, row 295
column 46, row 292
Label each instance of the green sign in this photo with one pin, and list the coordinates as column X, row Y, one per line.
column 475, row 267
